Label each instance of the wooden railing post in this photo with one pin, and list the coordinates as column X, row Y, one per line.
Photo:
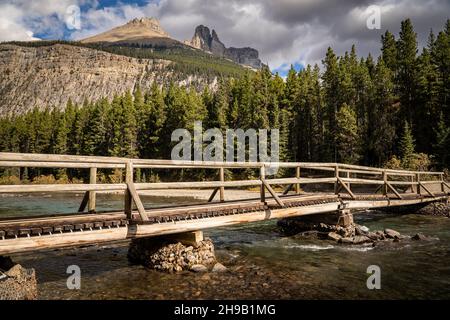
column 297, row 175
column 336, row 184
column 222, row 179
column 442, row 183
column 385, row 178
column 128, row 198
column 418, row 182
column 262, row 176
column 92, row 196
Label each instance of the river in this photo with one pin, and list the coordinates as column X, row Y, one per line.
column 262, row 264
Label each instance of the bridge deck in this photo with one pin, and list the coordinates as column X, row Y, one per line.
column 25, row 234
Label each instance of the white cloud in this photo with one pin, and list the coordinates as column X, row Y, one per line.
column 283, row 31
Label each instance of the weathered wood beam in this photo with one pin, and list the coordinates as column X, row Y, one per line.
column 346, row 188
column 128, row 200
column 84, row 202
column 426, row 189
column 29, row 188
column 393, row 190
column 222, row 179
column 272, row 192
column 92, row 196
column 213, row 194
column 137, row 201
column 288, row 188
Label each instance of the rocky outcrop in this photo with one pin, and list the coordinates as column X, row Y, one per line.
column 16, row 282
column 308, row 227
column 209, row 41
column 51, row 75
column 436, row 209
column 164, row 255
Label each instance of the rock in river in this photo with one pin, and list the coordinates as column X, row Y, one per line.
column 391, row 233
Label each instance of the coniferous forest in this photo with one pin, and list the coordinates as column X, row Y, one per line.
column 391, row 111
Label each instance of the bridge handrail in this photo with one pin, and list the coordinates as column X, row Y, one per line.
column 8, row 159
column 417, row 179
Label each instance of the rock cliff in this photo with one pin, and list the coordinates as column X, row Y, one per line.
column 209, row 41
column 51, row 75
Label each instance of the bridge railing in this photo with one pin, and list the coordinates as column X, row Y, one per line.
column 342, row 176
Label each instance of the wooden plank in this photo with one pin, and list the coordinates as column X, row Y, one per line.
column 446, row 184
column 29, row 188
column 297, row 175
column 92, row 197
column 262, row 176
column 426, row 189
column 346, row 188
column 289, row 187
column 213, row 194
column 272, row 192
column 78, row 165
column 84, row 202
column 393, row 190
column 222, row 179
column 4, row 156
column 59, row 221
column 128, row 200
column 137, row 201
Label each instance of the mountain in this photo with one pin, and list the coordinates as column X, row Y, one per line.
column 48, row 73
column 142, row 31
column 209, row 41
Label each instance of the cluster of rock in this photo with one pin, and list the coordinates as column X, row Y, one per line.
column 310, row 227
column 209, row 41
column 164, row 255
column 16, row 282
column 436, row 209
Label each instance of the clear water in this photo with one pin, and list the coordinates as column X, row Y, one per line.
column 261, row 263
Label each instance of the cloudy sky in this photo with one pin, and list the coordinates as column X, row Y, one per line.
column 284, row 31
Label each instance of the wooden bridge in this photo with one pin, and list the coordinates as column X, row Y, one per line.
column 313, row 188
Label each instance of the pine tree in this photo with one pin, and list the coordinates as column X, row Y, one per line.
column 389, row 50
column 348, row 143
column 407, row 146
column 407, row 70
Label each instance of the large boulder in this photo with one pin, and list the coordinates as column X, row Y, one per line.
column 16, row 282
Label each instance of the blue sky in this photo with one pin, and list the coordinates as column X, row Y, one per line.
column 285, row 32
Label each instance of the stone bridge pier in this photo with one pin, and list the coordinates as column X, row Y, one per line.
column 320, row 225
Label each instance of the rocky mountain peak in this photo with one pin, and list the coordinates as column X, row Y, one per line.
column 138, row 28
column 151, row 23
column 209, row 41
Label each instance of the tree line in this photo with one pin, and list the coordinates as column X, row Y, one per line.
column 393, row 111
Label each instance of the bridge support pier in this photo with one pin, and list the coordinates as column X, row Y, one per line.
column 173, row 253
column 345, row 217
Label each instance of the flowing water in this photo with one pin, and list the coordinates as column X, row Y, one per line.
column 261, row 263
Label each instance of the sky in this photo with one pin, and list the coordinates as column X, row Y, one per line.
column 285, row 32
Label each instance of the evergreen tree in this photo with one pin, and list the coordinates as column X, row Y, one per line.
column 407, row 147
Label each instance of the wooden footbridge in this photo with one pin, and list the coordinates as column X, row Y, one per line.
column 330, row 187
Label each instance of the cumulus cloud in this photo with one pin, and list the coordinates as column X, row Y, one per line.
column 284, row 31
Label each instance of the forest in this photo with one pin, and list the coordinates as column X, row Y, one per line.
column 391, row 111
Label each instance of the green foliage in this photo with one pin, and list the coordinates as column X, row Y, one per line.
column 407, row 146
